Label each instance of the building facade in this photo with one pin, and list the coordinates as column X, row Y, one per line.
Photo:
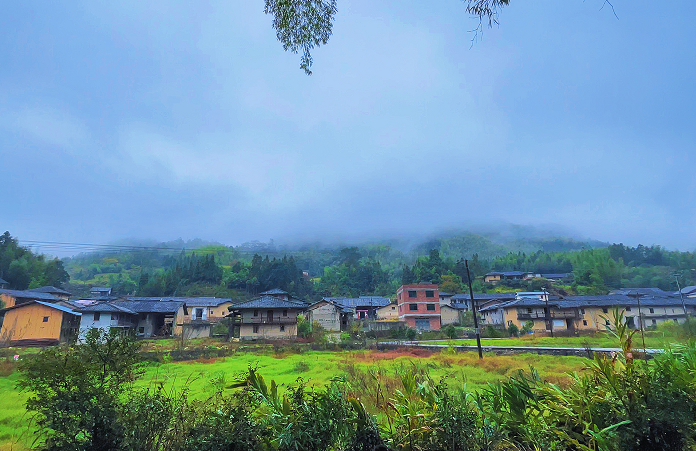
column 419, row 306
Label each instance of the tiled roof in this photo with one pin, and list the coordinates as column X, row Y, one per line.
column 274, row 291
column 100, row 289
column 62, row 308
column 4, row 282
column 505, row 273
column 686, row 290
column 362, row 301
column 37, row 295
column 269, row 302
column 148, row 306
column 555, row 276
column 50, row 289
column 484, row 296
column 460, row 306
column 107, row 307
column 189, row 301
column 643, row 292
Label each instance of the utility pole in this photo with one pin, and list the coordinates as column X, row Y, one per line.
column 549, row 321
column 474, row 310
column 681, row 296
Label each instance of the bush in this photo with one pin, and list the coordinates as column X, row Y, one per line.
column 450, row 331
column 513, row 330
column 411, row 333
column 491, row 332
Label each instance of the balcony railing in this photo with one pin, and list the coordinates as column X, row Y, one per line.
column 274, row 320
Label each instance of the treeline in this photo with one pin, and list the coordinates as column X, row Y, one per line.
column 23, row 269
column 188, row 269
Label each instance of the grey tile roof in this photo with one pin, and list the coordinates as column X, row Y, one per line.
column 149, row 306
column 555, row 276
column 36, row 295
column 686, row 290
column 505, row 273
column 4, row 282
column 484, row 296
column 189, row 301
column 62, row 308
column 460, row 306
column 269, row 302
column 274, row 291
column 643, row 292
column 100, row 289
column 50, row 289
column 107, row 307
column 362, row 301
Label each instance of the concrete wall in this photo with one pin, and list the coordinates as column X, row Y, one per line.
column 326, row 314
column 213, row 314
column 448, row 315
column 269, row 331
column 388, row 312
column 88, row 322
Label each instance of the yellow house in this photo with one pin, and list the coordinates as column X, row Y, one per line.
column 268, row 317
column 387, row 313
column 39, row 323
column 10, row 298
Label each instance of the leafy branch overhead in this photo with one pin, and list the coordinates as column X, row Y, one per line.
column 302, row 25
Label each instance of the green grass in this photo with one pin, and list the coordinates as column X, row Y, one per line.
column 203, row 377
column 653, row 339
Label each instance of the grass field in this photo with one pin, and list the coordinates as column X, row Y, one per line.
column 653, row 339
column 203, row 377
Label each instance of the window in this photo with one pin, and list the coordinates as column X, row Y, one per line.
column 584, row 322
column 285, row 313
column 582, row 311
column 429, row 294
column 628, row 309
column 430, row 307
column 97, row 315
column 605, row 310
column 393, row 308
column 210, row 312
column 606, row 321
column 256, row 313
column 256, row 329
column 45, row 319
column 529, row 310
column 282, row 328
column 114, row 317
column 413, row 307
column 412, row 294
column 652, row 310
column 141, row 330
column 654, row 322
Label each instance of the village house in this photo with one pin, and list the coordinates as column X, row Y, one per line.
column 267, row 317
column 419, row 306
column 495, row 277
column 38, row 323
column 3, row 283
column 100, row 292
column 57, row 292
column 363, row 307
column 147, row 317
column 389, row 312
column 331, row 315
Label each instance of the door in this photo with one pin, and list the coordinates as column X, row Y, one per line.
column 269, row 316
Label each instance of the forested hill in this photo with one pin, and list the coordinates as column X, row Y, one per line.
column 198, row 268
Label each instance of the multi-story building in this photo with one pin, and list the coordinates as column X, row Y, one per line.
column 268, row 317
column 419, row 306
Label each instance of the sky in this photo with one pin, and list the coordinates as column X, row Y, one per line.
column 164, row 119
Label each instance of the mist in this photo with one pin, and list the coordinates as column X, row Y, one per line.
column 173, row 120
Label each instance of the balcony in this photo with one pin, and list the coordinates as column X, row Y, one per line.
column 267, row 320
column 542, row 315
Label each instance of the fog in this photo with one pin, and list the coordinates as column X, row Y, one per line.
column 167, row 119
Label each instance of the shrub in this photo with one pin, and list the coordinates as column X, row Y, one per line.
column 450, row 331
column 411, row 333
column 513, row 330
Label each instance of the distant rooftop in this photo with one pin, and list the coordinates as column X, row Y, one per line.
column 269, row 302
column 36, row 295
column 50, row 289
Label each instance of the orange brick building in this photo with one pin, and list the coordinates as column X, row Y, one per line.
column 419, row 306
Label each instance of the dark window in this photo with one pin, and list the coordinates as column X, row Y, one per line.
column 582, row 311
column 114, row 317
column 285, row 313
column 97, row 315
column 654, row 322
column 430, row 307
column 628, row 309
column 413, row 307
column 652, row 310
column 606, row 322
column 393, row 308
column 210, row 312
column 412, row 294
column 529, row 310
column 45, row 319
column 584, row 322
column 605, row 310
column 141, row 330
column 429, row 294
column 256, row 329
column 282, row 328
column 256, row 313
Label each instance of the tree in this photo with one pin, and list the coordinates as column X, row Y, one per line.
column 302, row 25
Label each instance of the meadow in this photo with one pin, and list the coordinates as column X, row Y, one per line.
column 203, row 377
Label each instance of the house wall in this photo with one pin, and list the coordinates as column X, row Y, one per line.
column 388, row 312
column 270, row 331
column 327, row 315
column 88, row 322
column 7, row 300
column 448, row 315
column 213, row 314
column 421, row 301
column 26, row 323
column 491, row 279
column 434, row 322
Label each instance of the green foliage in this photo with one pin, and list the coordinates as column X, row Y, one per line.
column 528, row 326
column 75, row 390
column 450, row 331
column 513, row 330
column 304, row 327
column 411, row 333
column 23, row 269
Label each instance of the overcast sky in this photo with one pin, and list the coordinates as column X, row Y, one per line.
column 162, row 119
